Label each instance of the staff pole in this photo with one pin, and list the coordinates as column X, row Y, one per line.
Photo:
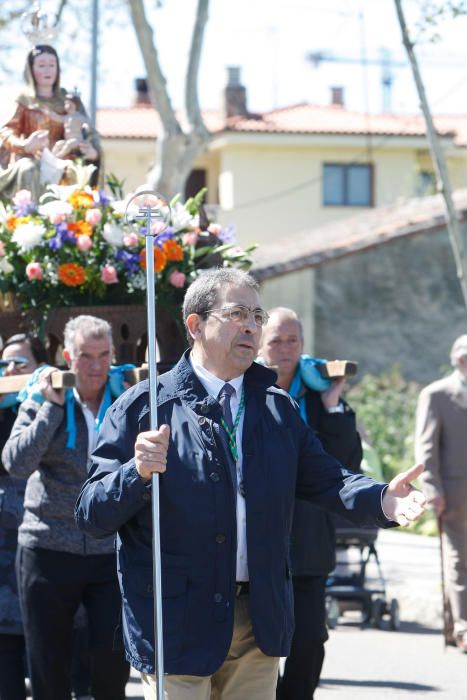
column 148, row 214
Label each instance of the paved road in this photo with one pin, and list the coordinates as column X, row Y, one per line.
column 370, row 663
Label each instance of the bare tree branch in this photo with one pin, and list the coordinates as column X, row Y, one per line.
column 437, row 154
column 192, row 107
column 157, row 83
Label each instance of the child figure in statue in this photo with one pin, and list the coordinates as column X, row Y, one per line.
column 31, row 133
column 75, row 125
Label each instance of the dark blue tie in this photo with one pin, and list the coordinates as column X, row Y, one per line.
column 224, row 400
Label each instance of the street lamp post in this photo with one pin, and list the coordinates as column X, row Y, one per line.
column 94, row 61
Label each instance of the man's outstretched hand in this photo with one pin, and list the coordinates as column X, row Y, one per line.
column 401, row 501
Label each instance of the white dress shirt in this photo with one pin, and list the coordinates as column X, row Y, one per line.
column 213, row 385
column 90, row 419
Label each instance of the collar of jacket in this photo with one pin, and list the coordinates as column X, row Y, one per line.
column 182, row 382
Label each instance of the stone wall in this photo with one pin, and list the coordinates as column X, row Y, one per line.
column 398, row 303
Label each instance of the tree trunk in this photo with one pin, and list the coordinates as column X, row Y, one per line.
column 437, row 154
column 177, row 148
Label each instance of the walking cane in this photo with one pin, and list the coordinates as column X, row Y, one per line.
column 446, row 615
column 159, row 210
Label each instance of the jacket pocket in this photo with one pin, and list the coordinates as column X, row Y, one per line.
column 174, row 601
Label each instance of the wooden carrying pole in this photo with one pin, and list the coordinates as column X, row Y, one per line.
column 63, row 380
column 16, row 382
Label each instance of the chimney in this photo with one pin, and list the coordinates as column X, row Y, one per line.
column 337, row 96
column 234, row 94
column 142, row 98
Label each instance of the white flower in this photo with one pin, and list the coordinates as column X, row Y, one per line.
column 56, row 210
column 27, row 236
column 62, row 192
column 5, row 266
column 81, row 173
column 180, row 217
column 119, row 206
column 137, row 281
column 113, row 234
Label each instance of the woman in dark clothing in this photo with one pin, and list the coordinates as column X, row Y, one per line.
column 21, row 354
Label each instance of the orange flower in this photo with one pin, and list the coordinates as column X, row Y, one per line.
column 160, row 259
column 81, row 199
column 80, row 228
column 10, row 223
column 71, row 275
column 173, row 250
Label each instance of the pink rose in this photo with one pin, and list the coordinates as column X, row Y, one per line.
column 215, row 229
column 93, row 216
column 34, row 271
column 22, row 197
column 130, row 239
column 2, row 249
column 83, row 242
column 158, row 227
column 109, row 274
column 177, row 279
column 190, row 238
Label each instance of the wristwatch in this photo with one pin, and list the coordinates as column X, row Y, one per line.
column 336, row 409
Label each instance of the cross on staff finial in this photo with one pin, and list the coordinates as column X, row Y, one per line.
column 155, row 207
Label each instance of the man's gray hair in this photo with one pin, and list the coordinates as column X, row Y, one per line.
column 285, row 312
column 201, row 296
column 87, row 327
column 459, row 349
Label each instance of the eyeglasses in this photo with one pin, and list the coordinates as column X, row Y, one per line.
column 241, row 314
column 18, row 361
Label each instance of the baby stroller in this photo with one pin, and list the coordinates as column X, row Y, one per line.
column 348, row 587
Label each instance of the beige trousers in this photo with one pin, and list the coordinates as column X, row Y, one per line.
column 246, row 674
column 455, row 570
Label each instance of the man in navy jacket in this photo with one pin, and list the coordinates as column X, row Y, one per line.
column 232, row 458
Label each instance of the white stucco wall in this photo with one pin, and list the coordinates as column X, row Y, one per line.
column 295, row 291
column 270, row 185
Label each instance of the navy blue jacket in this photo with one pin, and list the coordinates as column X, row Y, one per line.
column 282, row 460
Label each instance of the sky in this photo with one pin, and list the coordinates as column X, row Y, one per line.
column 269, row 40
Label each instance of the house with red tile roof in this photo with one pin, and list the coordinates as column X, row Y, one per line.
column 379, row 287
column 292, row 169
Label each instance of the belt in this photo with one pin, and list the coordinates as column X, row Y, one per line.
column 242, row 588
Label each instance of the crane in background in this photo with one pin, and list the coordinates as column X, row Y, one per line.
column 384, row 61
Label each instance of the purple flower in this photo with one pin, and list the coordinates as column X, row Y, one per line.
column 129, row 260
column 227, row 234
column 103, row 199
column 161, row 238
column 24, row 209
column 62, row 236
column 55, row 243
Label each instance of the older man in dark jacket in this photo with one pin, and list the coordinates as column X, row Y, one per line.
column 237, row 453
column 313, row 534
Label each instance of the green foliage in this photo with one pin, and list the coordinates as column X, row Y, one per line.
column 434, row 12
column 385, row 407
column 115, row 185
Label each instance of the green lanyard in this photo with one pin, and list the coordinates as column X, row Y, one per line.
column 232, row 433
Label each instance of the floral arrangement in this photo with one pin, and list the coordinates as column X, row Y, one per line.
column 76, row 247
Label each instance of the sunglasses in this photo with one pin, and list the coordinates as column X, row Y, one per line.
column 17, row 361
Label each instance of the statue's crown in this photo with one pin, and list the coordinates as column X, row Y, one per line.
column 36, row 26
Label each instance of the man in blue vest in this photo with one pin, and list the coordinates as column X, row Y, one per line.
column 234, row 453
